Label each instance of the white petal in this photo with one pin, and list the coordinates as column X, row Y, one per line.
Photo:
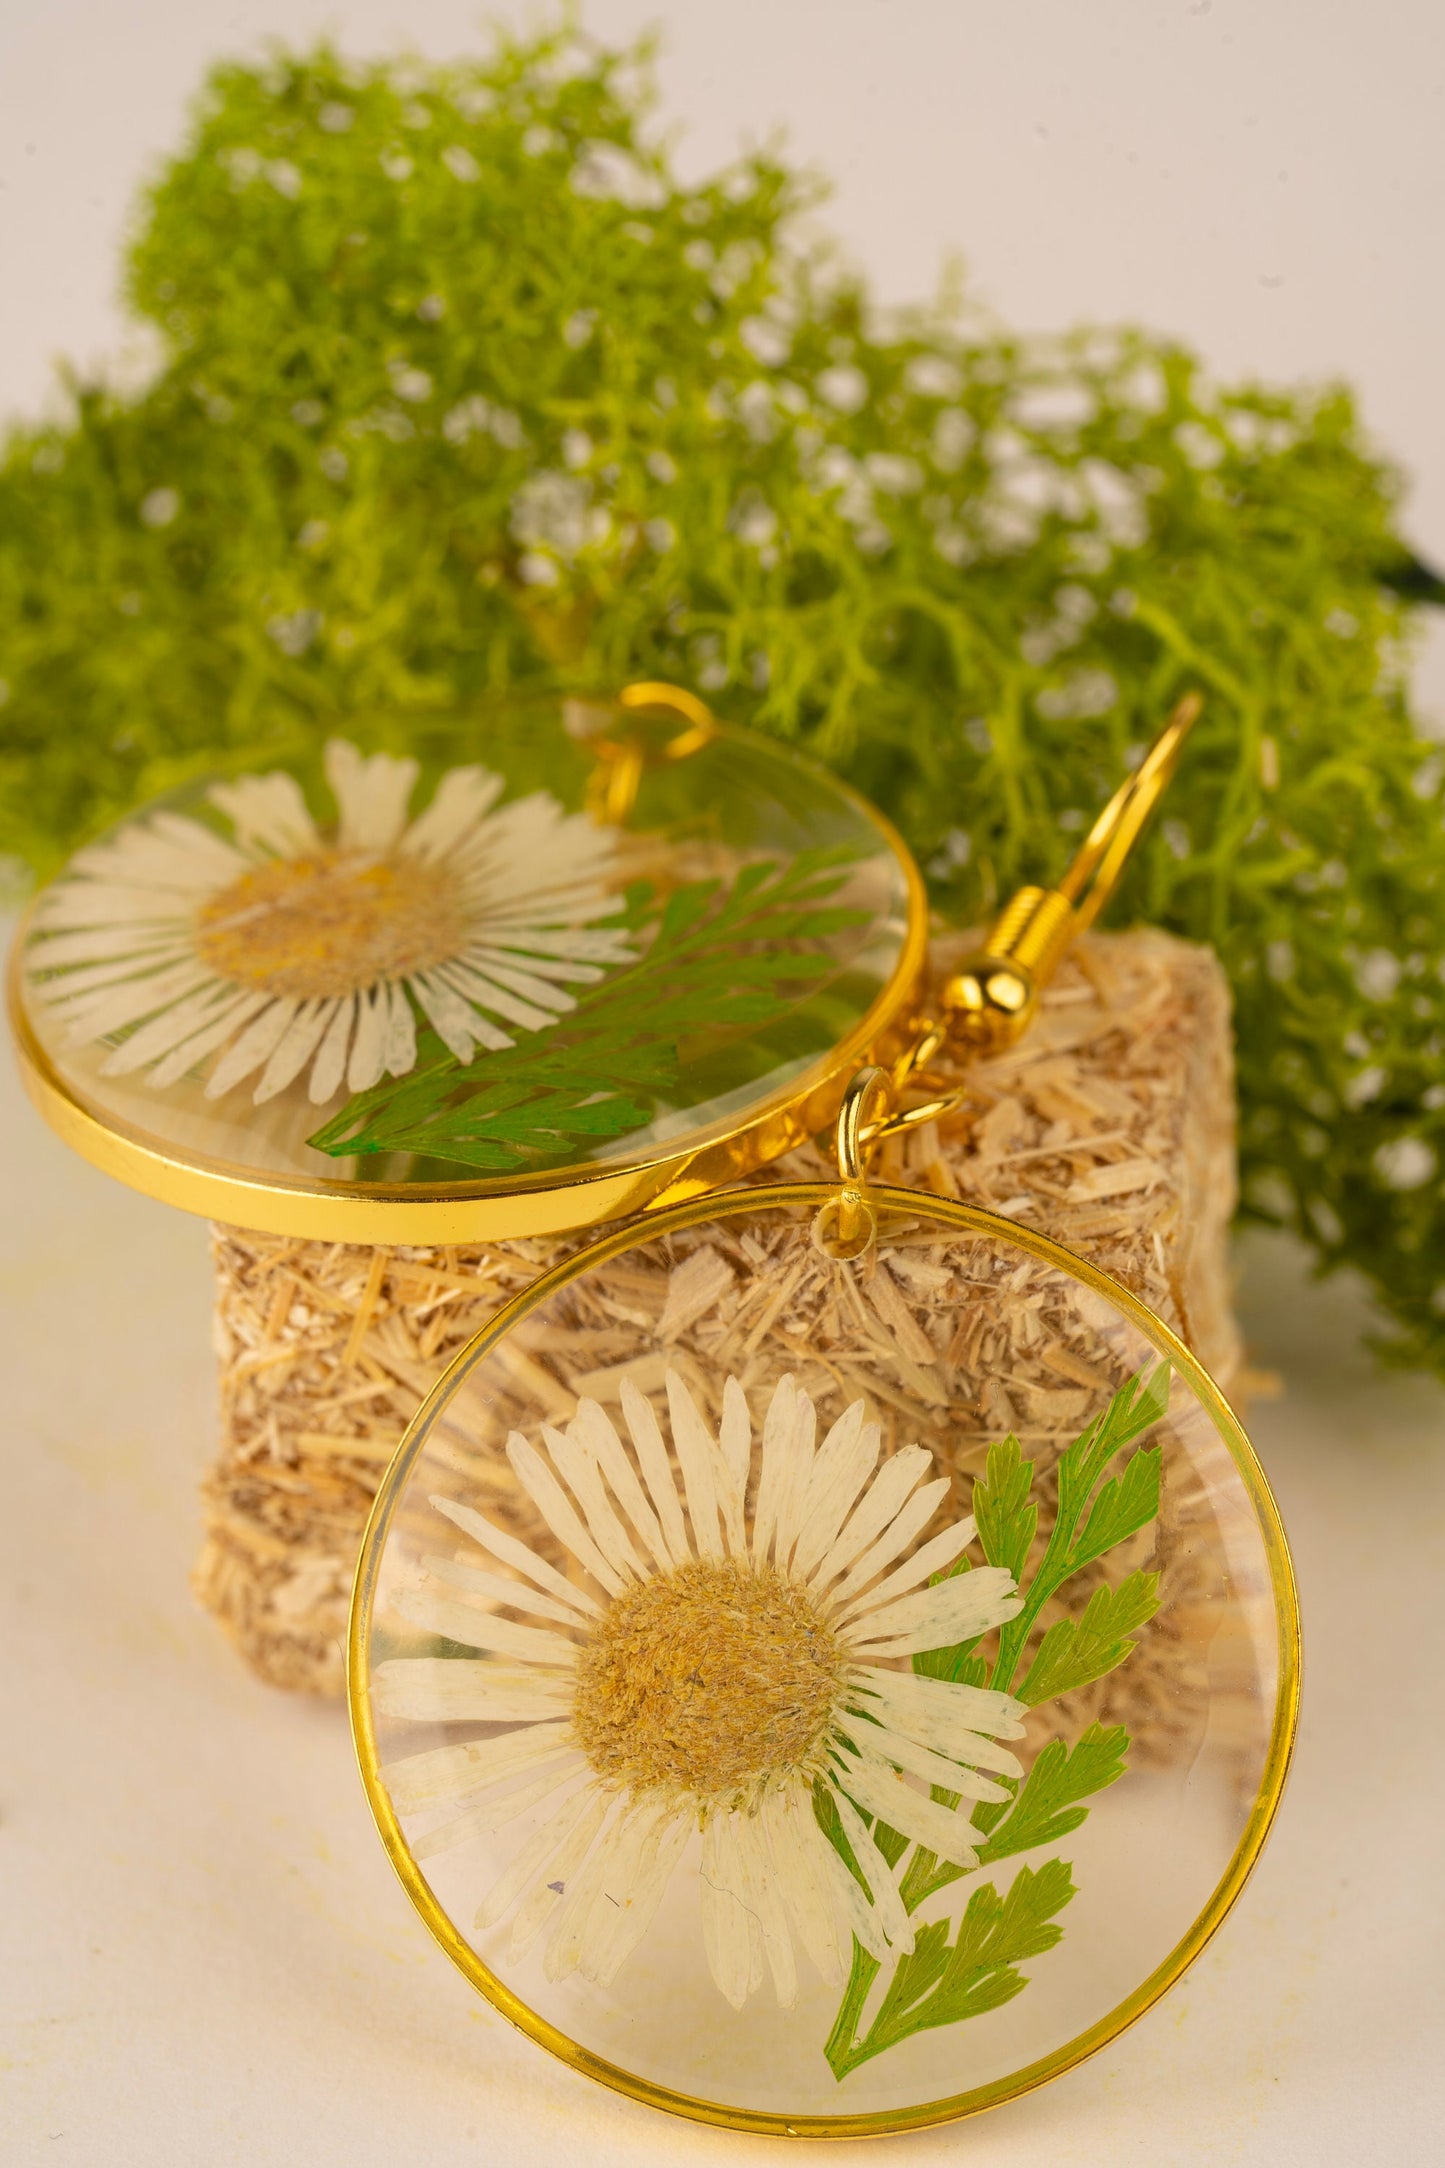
column 788, row 1821
column 530, row 988
column 932, row 1557
column 510, row 908
column 629, row 1893
column 894, row 1541
column 883, row 1499
column 451, row 1772
column 935, row 1618
column 100, row 1014
column 451, row 1689
column 399, row 1052
column 368, row 1049
column 509, row 1551
column 166, row 851
column 75, row 993
column 330, row 1064
column 540, row 967
column 736, row 1450
column 606, row 1868
column 695, row 1453
column 859, row 1916
column 486, row 1033
column 846, row 1459
column 489, row 995
column 164, row 1033
column 597, row 1432
column 877, row 1873
column 539, row 1855
column 371, row 795
column 104, row 945
column 455, row 1573
column 547, row 1495
column 656, row 1469
column 255, row 1045
column 530, row 849
column 269, row 810
column 146, row 915
column 450, row 1016
column 942, row 1829
column 224, row 1023
column 463, row 798
column 517, row 836
column 660, row 1854
column 579, row 944
column 298, row 1044
column 486, row 1821
column 725, row 1937
column 935, row 1711
column 777, row 1448
column 762, row 1897
column 954, row 1773
column 798, row 1474
column 182, row 859
column 197, row 851
column 554, row 1873
column 618, row 1876
column 580, row 1471
column 476, row 1629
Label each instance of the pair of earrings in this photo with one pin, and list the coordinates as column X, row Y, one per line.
column 772, row 1697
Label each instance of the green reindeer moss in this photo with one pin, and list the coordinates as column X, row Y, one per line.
column 459, row 388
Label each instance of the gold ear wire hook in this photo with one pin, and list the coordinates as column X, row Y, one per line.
column 987, row 1003
column 1099, row 861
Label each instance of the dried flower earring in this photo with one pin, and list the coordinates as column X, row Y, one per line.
column 744, row 1714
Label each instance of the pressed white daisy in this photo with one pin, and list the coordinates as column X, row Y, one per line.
column 283, row 950
column 710, row 1668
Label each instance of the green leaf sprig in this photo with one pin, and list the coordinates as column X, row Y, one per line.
column 942, row 1983
column 715, row 959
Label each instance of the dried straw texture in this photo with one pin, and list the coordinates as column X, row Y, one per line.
column 1110, row 1127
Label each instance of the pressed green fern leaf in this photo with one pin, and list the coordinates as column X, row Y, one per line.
column 716, row 960
column 942, row 1983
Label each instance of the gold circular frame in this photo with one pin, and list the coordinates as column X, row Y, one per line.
column 509, row 1206
column 1277, row 1758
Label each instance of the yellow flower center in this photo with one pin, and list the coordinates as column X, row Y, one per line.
column 708, row 1679
column 331, row 923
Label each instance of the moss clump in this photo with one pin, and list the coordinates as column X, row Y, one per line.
column 461, row 389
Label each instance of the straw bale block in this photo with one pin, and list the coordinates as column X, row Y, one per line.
column 1110, row 1127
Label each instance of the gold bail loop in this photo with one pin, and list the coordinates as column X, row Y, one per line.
column 846, row 1225
column 622, row 759
column 871, row 1089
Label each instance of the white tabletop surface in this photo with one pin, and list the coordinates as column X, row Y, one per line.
column 206, row 1959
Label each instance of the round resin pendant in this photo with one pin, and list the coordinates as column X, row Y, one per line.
column 467, row 977
column 824, row 1695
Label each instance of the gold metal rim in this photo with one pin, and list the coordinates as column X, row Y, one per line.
column 1277, row 1758
column 559, row 1202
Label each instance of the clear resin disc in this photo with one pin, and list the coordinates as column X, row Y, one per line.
column 824, row 1696
column 441, row 979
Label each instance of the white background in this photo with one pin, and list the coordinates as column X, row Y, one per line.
column 203, row 1956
